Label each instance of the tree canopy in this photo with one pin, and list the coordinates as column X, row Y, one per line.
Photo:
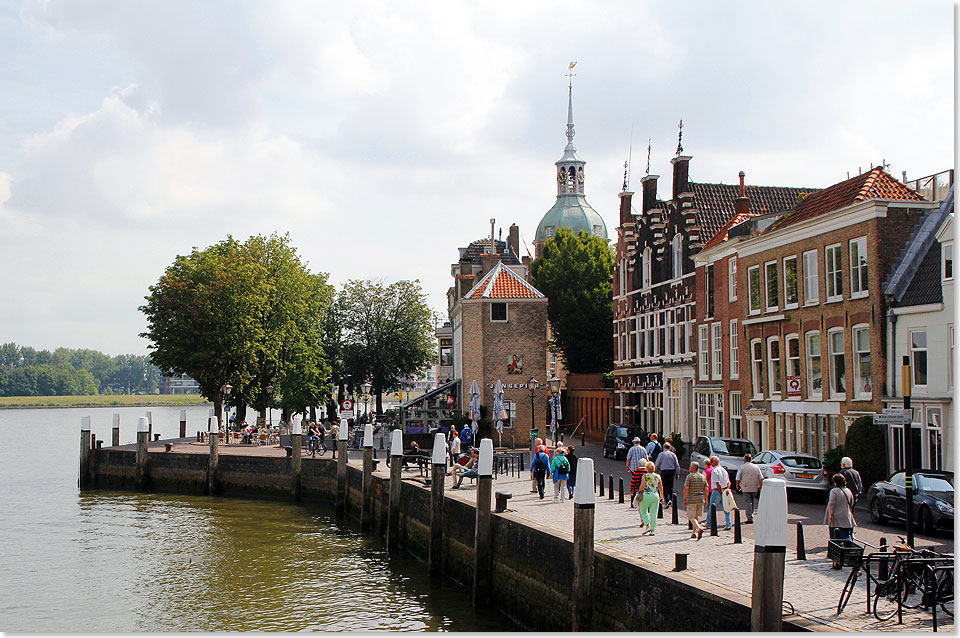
column 25, row 371
column 245, row 314
column 576, row 274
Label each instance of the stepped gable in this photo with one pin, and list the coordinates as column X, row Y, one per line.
column 476, row 248
column 875, row 184
column 502, row 283
column 714, row 203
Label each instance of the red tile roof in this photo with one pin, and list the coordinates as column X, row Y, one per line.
column 714, row 202
column 875, row 184
column 503, row 283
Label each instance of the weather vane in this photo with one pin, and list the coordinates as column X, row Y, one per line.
column 680, row 140
column 648, row 156
column 570, row 73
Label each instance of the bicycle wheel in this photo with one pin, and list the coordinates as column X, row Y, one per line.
column 848, row 589
column 945, row 593
column 885, row 599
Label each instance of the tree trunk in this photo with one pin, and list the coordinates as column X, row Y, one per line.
column 379, row 402
column 341, row 394
column 218, row 409
column 241, row 412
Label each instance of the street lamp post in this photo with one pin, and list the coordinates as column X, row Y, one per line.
column 226, row 389
column 365, row 389
column 554, row 383
column 269, row 390
column 906, row 379
column 532, row 387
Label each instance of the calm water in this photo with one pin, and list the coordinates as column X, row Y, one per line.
column 122, row 562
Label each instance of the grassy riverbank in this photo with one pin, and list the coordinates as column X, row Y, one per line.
column 102, row 401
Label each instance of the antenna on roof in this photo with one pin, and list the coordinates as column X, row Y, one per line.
column 680, row 139
column 626, row 164
column 648, row 156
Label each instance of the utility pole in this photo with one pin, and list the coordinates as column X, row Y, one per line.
column 906, row 379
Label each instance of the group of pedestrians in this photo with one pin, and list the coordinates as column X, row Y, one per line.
column 562, row 468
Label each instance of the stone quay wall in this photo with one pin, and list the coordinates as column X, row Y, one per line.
column 532, row 568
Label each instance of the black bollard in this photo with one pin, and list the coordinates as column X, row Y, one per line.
column 690, row 525
column 681, row 562
column 610, row 487
column 674, row 517
column 660, row 510
column 737, row 538
column 801, row 549
column 601, row 483
column 583, row 440
column 621, row 491
column 883, row 569
column 713, row 520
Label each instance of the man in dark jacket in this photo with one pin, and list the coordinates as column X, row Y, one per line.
column 539, row 465
column 572, row 460
column 852, row 477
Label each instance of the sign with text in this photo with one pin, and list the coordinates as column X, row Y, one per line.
column 793, row 387
column 893, row 416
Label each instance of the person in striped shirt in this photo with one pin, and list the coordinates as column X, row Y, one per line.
column 637, row 466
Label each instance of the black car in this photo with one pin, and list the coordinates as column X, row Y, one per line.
column 619, row 438
column 932, row 500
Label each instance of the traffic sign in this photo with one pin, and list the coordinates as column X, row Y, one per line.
column 347, row 405
column 793, row 387
column 893, row 416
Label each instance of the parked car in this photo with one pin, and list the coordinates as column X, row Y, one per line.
column 802, row 472
column 932, row 499
column 619, row 438
column 729, row 451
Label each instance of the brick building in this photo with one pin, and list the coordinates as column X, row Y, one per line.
column 811, row 314
column 655, row 292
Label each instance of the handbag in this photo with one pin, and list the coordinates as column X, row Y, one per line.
column 729, row 502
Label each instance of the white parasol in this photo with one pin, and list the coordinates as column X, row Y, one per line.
column 498, row 408
column 474, row 405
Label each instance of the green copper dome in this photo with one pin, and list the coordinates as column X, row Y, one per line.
column 571, row 211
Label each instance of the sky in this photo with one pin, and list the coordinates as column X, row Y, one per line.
column 382, row 136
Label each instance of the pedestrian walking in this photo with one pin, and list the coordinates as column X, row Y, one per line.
column 852, row 477
column 749, row 481
column 560, row 470
column 572, row 460
column 651, row 486
column 695, row 498
column 539, row 465
column 454, row 448
column 719, row 481
column 636, row 466
column 667, row 467
column 335, row 436
column 653, row 447
column 533, row 480
column 839, row 513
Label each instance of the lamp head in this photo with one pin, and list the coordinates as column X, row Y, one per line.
column 554, row 383
column 227, row 389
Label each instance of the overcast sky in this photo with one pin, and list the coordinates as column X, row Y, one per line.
column 384, row 135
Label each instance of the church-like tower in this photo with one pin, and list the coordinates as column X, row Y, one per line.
column 571, row 209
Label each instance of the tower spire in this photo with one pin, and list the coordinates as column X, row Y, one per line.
column 570, row 131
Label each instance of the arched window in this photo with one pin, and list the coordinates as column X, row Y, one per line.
column 677, row 256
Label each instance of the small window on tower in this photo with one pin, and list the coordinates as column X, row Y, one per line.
column 498, row 312
column 597, row 230
column 549, row 230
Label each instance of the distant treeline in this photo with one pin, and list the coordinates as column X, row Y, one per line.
column 25, row 371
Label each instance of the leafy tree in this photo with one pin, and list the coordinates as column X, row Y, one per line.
column 204, row 317
column 866, row 445
column 387, row 333
column 576, row 275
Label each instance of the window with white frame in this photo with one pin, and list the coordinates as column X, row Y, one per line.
column 756, row 299
column 934, row 438
column 838, row 369
column 498, row 311
column 732, row 279
column 623, row 277
column 950, row 340
column 814, row 367
column 647, row 267
column 773, row 286
column 671, row 323
column 791, row 282
column 862, row 381
column 778, row 429
column 811, row 278
column 946, row 251
column 858, row 267
column 773, row 367
column 677, row 245
column 708, row 273
column 834, row 259
column 918, row 356
column 734, row 350
column 703, row 354
column 678, row 333
column 707, row 413
column 642, row 321
column 756, row 370
column 736, row 416
column 793, row 356
column 717, row 338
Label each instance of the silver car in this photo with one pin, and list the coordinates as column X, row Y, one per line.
column 729, row 451
column 800, row 471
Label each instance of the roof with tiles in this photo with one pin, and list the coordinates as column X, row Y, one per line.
column 925, row 286
column 502, row 283
column 714, row 203
column 724, row 233
column 874, row 184
column 476, row 248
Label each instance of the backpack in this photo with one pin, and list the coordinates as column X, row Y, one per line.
column 466, row 435
column 657, row 449
column 563, row 467
column 538, row 464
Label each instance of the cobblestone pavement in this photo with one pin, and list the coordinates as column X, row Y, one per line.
column 811, row 586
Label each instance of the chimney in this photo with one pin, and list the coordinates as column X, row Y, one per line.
column 513, row 239
column 741, row 205
column 491, row 250
column 649, row 191
column 626, row 217
column 681, row 175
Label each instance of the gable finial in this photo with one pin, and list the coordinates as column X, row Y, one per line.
column 648, row 155
column 680, row 139
column 570, row 73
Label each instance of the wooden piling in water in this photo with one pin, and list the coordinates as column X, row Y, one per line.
column 214, row 457
column 366, row 485
column 296, row 459
column 341, row 500
column 85, row 453
column 481, row 538
column 115, row 439
column 150, row 425
column 393, row 513
column 583, row 548
column 183, row 424
column 438, row 471
column 143, row 437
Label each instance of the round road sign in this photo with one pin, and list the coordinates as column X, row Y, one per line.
column 347, row 405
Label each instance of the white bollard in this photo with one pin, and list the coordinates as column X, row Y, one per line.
column 769, row 556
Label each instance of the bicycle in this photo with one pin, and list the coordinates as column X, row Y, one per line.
column 919, row 579
column 314, row 445
column 862, row 565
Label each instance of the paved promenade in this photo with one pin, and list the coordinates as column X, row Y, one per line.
column 812, row 587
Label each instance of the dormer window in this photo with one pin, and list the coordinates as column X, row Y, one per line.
column 549, row 230
column 947, row 251
column 597, row 230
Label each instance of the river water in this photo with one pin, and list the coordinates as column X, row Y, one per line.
column 123, row 562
